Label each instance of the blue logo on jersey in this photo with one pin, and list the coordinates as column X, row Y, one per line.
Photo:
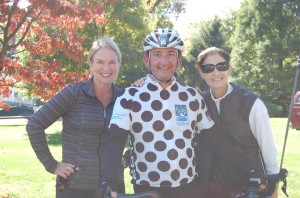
column 181, row 115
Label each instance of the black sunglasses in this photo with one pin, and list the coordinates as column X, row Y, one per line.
column 208, row 68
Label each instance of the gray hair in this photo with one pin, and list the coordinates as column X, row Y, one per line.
column 103, row 42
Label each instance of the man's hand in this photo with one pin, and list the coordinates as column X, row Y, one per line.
column 139, row 82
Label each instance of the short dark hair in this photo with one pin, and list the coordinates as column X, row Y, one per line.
column 209, row 51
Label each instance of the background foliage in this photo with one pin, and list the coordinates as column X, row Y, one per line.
column 44, row 46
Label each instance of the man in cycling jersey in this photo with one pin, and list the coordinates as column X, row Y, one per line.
column 161, row 119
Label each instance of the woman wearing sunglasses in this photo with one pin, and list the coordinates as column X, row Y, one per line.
column 242, row 150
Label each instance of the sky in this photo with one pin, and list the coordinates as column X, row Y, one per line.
column 195, row 11
column 201, row 9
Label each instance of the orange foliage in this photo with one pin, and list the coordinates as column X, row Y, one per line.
column 47, row 28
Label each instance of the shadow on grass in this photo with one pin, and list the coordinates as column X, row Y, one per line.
column 54, row 139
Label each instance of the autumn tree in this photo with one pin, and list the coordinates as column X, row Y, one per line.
column 40, row 45
column 48, row 48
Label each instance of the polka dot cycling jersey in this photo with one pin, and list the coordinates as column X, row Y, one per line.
column 162, row 123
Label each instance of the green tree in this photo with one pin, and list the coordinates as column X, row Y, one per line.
column 206, row 33
column 265, row 45
column 128, row 23
column 161, row 10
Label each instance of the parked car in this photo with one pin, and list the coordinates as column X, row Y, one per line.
column 295, row 118
column 17, row 111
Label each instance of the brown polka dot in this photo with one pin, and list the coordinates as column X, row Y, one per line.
column 189, row 152
column 150, row 156
column 132, row 91
column 147, row 116
column 163, row 166
column 145, row 97
column 193, row 124
column 153, row 176
column 135, row 106
column 167, row 115
column 183, row 163
column 164, row 94
column 192, row 91
column 156, row 105
column 187, row 134
column 172, row 154
column 158, row 125
column 160, row 146
column 165, row 184
column 124, row 103
column 183, row 96
column 139, row 147
column 199, row 117
column 202, row 104
column 137, row 127
column 148, row 136
column 174, row 87
column 194, row 105
column 175, row 175
column 180, row 143
column 144, row 183
column 190, row 172
column 168, row 135
column 184, row 181
column 152, row 87
column 142, row 166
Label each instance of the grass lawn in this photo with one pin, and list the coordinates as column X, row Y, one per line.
column 23, row 176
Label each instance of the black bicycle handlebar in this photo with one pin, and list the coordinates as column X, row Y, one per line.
column 147, row 194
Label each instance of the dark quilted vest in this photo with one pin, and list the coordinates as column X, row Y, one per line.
column 232, row 173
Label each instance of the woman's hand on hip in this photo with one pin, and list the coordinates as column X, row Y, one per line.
column 65, row 169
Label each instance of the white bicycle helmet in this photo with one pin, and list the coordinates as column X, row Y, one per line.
column 163, row 38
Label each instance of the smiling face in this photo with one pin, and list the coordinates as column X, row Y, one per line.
column 216, row 80
column 163, row 62
column 104, row 66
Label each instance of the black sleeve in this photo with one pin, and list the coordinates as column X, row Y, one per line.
column 204, row 160
column 126, row 157
column 112, row 155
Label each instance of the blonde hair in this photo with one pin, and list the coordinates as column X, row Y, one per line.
column 103, row 42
